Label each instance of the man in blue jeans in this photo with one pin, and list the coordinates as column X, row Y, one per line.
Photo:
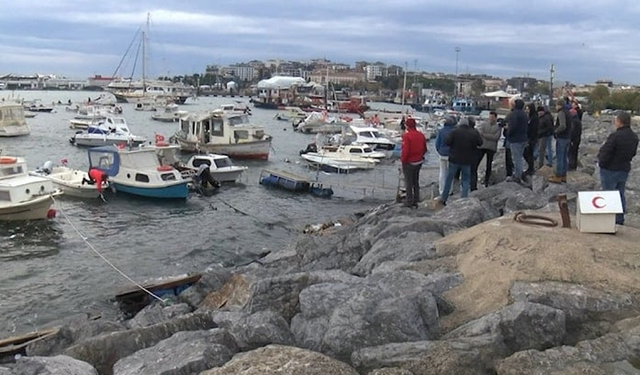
column 562, row 132
column 517, row 124
column 614, row 158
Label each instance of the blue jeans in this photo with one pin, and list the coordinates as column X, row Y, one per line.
column 550, row 151
column 615, row 180
column 465, row 170
column 517, row 154
column 562, row 154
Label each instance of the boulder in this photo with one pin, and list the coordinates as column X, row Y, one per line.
column 497, row 195
column 390, row 355
column 524, row 199
column 105, row 350
column 60, row 364
column 390, row 371
column 464, row 213
column 590, row 313
column 212, row 279
column 408, row 246
column 184, row 353
column 157, row 313
column 337, row 319
column 252, row 331
column 520, row 326
column 282, row 360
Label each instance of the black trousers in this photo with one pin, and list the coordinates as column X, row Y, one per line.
column 528, row 156
column 412, row 183
column 508, row 161
column 574, row 146
column 489, row 154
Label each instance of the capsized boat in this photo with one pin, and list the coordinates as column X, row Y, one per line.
column 71, row 181
column 290, row 181
column 137, row 171
column 24, row 197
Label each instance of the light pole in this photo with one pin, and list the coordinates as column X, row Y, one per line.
column 457, row 49
column 551, row 77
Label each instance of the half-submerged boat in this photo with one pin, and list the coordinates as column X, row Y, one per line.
column 137, row 171
column 12, row 120
column 223, row 132
column 133, row 299
column 293, row 182
column 112, row 130
column 220, row 166
column 24, row 197
column 70, row 181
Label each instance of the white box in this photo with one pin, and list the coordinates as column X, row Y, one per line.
column 596, row 211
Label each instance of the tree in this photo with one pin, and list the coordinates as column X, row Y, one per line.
column 477, row 87
column 599, row 97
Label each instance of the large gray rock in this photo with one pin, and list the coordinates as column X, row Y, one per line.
column 464, row 213
column 156, row 313
column 337, row 319
column 184, row 353
column 390, row 371
column 105, row 350
column 212, row 279
column 58, row 365
column 497, row 195
column 390, row 355
column 524, row 199
column 282, row 360
column 408, row 246
column 521, row 326
column 590, row 313
column 255, row 330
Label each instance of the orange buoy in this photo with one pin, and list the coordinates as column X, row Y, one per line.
column 8, row 159
column 164, row 168
column 162, row 144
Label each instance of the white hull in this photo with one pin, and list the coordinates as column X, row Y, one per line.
column 162, row 117
column 244, row 150
column 343, row 164
column 96, row 140
column 69, row 181
column 34, row 209
column 14, row 130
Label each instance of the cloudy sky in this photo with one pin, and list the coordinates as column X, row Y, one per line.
column 78, row 38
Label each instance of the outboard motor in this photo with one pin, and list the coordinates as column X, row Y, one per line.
column 47, row 167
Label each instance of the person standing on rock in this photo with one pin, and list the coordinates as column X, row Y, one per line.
column 464, row 142
column 490, row 132
column 562, row 133
column 517, row 123
column 576, row 135
column 532, row 138
column 614, row 158
column 443, row 150
column 414, row 146
column 545, row 134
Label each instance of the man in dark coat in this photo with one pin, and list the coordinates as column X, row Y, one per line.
column 545, row 136
column 464, row 142
column 576, row 135
column 614, row 158
column 517, row 124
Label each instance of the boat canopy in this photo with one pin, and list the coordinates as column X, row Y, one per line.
column 105, row 158
column 280, row 82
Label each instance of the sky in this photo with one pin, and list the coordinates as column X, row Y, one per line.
column 587, row 41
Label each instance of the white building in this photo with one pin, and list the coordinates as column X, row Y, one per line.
column 373, row 71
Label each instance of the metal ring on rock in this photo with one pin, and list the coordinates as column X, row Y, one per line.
column 544, row 221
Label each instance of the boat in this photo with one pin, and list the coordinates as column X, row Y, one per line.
column 293, row 182
column 320, row 122
column 132, row 300
column 137, row 171
column 111, row 130
column 12, row 120
column 372, row 137
column 339, row 160
column 70, row 181
column 223, row 132
column 24, row 197
column 91, row 115
column 291, row 114
column 37, row 106
column 170, row 113
column 359, row 150
column 17, row 345
column 150, row 103
column 220, row 166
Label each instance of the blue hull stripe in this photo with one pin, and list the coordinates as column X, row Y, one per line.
column 174, row 191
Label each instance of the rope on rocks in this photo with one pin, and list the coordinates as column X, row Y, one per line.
column 84, row 238
column 544, row 221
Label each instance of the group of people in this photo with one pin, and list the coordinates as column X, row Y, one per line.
column 529, row 132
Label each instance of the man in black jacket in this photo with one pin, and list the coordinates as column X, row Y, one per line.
column 576, row 135
column 545, row 135
column 464, row 142
column 614, row 158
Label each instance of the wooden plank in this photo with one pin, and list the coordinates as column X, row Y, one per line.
column 15, row 344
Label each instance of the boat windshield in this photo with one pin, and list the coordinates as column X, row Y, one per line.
column 224, row 162
column 11, row 171
column 238, row 120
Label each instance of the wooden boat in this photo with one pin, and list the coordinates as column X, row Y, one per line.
column 132, row 300
column 12, row 346
column 293, row 182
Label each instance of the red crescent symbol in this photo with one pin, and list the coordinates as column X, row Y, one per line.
column 595, row 200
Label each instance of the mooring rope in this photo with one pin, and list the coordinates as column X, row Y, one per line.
column 545, row 221
column 85, row 239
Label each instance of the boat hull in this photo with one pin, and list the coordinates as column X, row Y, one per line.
column 245, row 150
column 227, row 176
column 103, row 141
column 69, row 181
column 35, row 209
column 14, row 131
column 176, row 191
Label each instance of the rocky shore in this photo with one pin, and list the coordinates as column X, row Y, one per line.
column 463, row 289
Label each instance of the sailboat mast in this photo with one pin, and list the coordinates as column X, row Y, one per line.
column 144, row 55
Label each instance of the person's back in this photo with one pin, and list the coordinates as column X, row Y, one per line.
column 441, row 145
column 464, row 141
column 517, row 123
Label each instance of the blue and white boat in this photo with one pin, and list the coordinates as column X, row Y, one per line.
column 138, row 171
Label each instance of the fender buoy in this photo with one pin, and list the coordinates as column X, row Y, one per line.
column 164, row 168
column 162, row 144
column 8, row 159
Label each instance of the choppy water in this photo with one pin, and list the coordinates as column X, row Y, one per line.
column 47, row 270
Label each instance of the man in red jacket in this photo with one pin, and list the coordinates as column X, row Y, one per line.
column 96, row 177
column 414, row 146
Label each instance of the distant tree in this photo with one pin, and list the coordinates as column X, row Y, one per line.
column 599, row 97
column 477, row 87
column 540, row 88
column 626, row 100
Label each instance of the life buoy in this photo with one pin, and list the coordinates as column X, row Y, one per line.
column 8, row 159
column 164, row 168
column 162, row 144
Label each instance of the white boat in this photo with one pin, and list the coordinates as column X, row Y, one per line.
column 334, row 165
column 91, row 115
column 37, row 106
column 372, row 137
column 291, row 114
column 137, row 171
column 24, row 197
column 343, row 158
column 12, row 120
column 112, row 130
column 170, row 113
column 320, row 122
column 355, row 150
column 69, row 180
column 223, row 132
column 220, row 166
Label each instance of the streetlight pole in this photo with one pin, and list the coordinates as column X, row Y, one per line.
column 551, row 76
column 457, row 49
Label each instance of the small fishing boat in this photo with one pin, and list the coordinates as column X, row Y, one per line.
column 112, row 130
column 293, row 182
column 220, row 166
column 320, row 122
column 132, row 300
column 70, row 181
column 12, row 120
column 137, row 171
column 170, row 113
column 24, row 197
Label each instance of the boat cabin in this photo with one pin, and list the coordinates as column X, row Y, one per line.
column 12, row 120
column 15, row 183
column 219, row 127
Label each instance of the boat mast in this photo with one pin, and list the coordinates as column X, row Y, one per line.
column 404, row 84
column 144, row 56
